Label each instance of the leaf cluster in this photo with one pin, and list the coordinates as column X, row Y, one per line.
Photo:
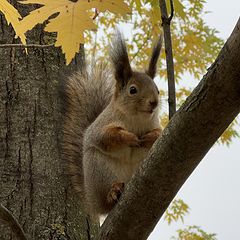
column 66, row 18
column 194, row 233
column 13, row 17
column 195, row 45
column 177, row 210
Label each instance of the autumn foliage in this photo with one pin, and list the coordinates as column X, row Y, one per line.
column 72, row 19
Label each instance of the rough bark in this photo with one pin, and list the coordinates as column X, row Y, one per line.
column 190, row 134
column 34, row 184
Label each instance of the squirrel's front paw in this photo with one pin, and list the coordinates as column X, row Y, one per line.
column 149, row 138
column 130, row 139
column 115, row 193
column 117, row 137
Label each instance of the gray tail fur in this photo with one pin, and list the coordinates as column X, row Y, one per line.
column 84, row 96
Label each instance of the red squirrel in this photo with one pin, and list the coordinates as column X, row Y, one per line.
column 111, row 120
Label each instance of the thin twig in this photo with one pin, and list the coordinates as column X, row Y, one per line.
column 95, row 14
column 172, row 11
column 7, row 217
column 169, row 55
column 25, row 46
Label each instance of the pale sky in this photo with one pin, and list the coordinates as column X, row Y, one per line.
column 213, row 190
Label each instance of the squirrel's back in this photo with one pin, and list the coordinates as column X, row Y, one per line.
column 84, row 96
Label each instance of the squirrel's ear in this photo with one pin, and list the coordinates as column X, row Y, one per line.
column 152, row 68
column 119, row 57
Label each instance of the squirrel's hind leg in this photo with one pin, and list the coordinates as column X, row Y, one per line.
column 102, row 188
column 115, row 193
column 112, row 198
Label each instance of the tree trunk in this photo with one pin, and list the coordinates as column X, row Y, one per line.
column 192, row 131
column 34, row 184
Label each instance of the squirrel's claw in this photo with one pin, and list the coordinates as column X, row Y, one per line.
column 130, row 139
column 149, row 138
column 115, row 193
column 134, row 141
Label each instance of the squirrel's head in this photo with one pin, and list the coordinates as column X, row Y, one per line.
column 135, row 91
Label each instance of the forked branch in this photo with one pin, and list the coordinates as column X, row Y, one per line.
column 7, row 218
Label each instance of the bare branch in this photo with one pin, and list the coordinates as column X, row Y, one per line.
column 8, row 218
column 172, row 11
column 96, row 13
column 25, row 46
column 169, row 55
column 192, row 131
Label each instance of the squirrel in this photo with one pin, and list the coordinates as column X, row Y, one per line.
column 110, row 121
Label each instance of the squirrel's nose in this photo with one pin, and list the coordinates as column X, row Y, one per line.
column 153, row 104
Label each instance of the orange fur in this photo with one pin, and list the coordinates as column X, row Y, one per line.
column 149, row 138
column 115, row 193
column 117, row 137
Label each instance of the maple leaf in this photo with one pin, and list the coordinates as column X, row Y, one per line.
column 71, row 22
column 12, row 16
column 114, row 6
column 70, row 25
column 41, row 14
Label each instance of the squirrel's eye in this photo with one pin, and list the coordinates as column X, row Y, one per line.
column 133, row 90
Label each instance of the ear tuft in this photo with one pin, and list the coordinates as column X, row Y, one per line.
column 152, row 68
column 119, row 58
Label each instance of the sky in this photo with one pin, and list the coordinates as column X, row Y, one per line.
column 213, row 189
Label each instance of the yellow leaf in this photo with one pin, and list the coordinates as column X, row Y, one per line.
column 12, row 16
column 178, row 7
column 69, row 24
column 73, row 19
column 70, row 32
column 138, row 5
column 43, row 13
column 116, row 6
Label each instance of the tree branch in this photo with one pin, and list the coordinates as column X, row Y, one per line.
column 7, row 217
column 96, row 14
column 172, row 11
column 25, row 46
column 169, row 55
column 192, row 131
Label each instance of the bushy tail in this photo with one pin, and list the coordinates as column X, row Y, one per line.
column 84, row 96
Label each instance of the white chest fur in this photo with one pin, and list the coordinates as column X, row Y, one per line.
column 124, row 161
